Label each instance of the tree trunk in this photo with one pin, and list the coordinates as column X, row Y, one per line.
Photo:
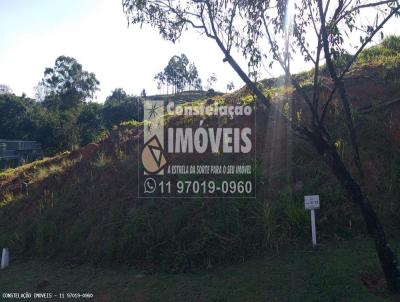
column 387, row 257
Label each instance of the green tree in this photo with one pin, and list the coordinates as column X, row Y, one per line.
column 192, row 78
column 5, row 89
column 117, row 94
column 23, row 118
column 90, row 122
column 120, row 107
column 318, row 30
column 67, row 85
column 179, row 74
column 13, row 113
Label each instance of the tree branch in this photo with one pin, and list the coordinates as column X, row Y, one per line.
column 354, row 58
column 301, row 131
column 340, row 85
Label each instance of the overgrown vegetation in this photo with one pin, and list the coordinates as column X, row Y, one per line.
column 64, row 118
column 71, row 213
column 386, row 53
column 86, row 210
column 334, row 272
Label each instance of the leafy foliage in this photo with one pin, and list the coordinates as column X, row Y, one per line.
column 179, row 74
column 386, row 53
column 5, row 89
column 316, row 29
column 66, row 84
column 62, row 120
column 121, row 107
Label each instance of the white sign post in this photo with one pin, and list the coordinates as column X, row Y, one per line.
column 311, row 202
column 5, row 258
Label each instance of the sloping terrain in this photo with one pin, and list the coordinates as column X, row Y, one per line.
column 84, row 207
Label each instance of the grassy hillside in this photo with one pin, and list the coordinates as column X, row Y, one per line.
column 83, row 206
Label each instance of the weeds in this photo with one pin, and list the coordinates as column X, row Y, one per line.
column 102, row 160
column 6, row 198
column 94, row 215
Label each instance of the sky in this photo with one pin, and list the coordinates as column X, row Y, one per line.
column 33, row 33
